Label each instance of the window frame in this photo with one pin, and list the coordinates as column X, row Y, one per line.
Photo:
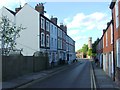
column 47, row 40
column 42, row 23
column 117, row 14
column 106, row 39
column 42, row 39
column 111, row 34
column 47, row 25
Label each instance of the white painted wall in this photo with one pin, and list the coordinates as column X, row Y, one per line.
column 5, row 12
column 53, row 34
column 53, row 42
column 104, row 62
column 29, row 38
column 118, row 52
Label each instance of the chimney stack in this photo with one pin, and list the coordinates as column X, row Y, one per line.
column 18, row 9
column 54, row 20
column 40, row 8
column 63, row 27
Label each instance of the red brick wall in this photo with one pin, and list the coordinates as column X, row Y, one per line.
column 108, row 48
column 119, row 21
column 116, row 36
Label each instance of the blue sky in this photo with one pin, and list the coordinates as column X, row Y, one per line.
column 83, row 19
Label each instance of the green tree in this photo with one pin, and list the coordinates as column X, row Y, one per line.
column 94, row 46
column 89, row 52
column 8, row 33
column 84, row 49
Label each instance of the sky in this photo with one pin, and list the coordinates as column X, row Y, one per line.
column 84, row 18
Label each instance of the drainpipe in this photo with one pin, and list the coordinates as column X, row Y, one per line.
column 113, row 49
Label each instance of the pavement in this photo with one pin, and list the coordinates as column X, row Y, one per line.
column 103, row 81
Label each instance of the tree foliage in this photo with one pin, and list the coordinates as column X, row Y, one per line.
column 84, row 49
column 8, row 33
column 94, row 45
column 89, row 52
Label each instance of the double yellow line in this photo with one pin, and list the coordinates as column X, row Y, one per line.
column 93, row 80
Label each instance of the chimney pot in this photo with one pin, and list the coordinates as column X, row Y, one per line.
column 104, row 31
column 108, row 23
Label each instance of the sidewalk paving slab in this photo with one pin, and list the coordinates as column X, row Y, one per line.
column 103, row 80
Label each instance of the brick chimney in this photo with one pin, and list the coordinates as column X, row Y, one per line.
column 40, row 8
column 18, row 9
column 54, row 20
column 63, row 27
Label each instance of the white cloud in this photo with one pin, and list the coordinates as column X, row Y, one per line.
column 73, row 32
column 80, row 40
column 47, row 15
column 11, row 3
column 77, row 38
column 81, row 26
column 89, row 21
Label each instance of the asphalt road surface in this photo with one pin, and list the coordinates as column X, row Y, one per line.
column 77, row 75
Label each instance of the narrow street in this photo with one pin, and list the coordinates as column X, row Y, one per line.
column 77, row 76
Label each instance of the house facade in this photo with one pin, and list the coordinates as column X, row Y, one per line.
column 99, row 50
column 108, row 50
column 72, row 55
column 53, row 41
column 111, row 44
column 115, row 13
column 60, row 51
column 105, row 50
column 29, row 39
column 41, row 34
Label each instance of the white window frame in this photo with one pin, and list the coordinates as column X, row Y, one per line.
column 59, row 33
column 106, row 39
column 42, row 23
column 103, row 41
column 58, row 43
column 111, row 34
column 61, row 44
column 42, row 39
column 117, row 14
column 47, row 40
column 47, row 25
column 118, row 52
